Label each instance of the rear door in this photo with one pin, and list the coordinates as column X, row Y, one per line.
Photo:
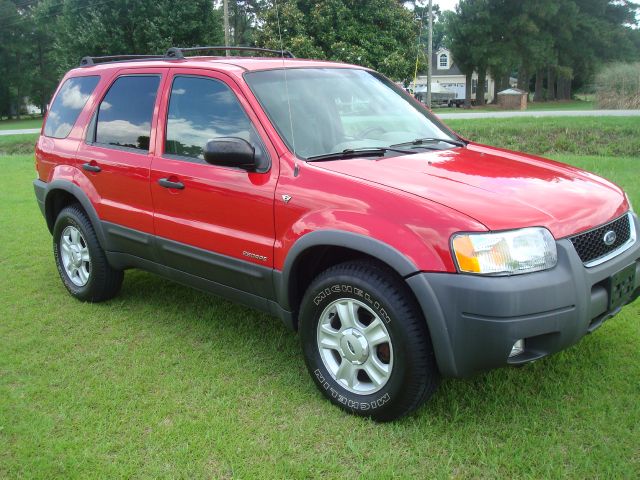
column 115, row 159
column 219, row 224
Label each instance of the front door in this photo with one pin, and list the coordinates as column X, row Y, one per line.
column 211, row 221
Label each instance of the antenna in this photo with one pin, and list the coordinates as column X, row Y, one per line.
column 415, row 73
column 286, row 88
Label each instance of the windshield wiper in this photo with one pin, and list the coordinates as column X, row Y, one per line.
column 358, row 152
column 421, row 141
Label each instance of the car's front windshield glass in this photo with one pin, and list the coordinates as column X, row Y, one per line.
column 336, row 109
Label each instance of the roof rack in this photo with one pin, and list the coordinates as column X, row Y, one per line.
column 177, row 52
column 88, row 61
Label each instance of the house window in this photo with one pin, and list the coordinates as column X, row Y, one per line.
column 474, row 85
column 443, row 61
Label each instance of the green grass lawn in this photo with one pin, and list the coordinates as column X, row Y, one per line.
column 556, row 105
column 164, row 381
column 20, row 124
column 608, row 136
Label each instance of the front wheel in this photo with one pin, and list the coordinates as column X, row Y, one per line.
column 365, row 342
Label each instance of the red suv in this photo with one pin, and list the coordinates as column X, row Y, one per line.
column 325, row 195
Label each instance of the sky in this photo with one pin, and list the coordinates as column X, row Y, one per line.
column 445, row 4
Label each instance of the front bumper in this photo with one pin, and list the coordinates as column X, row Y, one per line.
column 474, row 320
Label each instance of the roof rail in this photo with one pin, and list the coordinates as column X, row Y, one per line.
column 177, row 52
column 88, row 61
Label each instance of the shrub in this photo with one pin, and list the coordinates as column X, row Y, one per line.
column 618, row 86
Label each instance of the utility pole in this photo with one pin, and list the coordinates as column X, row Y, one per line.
column 429, row 53
column 225, row 14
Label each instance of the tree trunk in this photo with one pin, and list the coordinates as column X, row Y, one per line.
column 482, row 76
column 567, row 92
column 523, row 78
column 467, row 91
column 41, row 100
column 551, row 83
column 564, row 88
column 538, row 96
column 559, row 88
column 18, row 90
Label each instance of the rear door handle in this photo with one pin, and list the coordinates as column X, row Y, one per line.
column 166, row 183
column 91, row 167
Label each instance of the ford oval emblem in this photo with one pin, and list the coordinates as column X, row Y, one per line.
column 609, row 238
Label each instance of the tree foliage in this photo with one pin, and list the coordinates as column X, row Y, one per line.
column 561, row 42
column 40, row 40
column 380, row 34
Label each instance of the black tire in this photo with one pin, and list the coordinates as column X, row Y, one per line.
column 103, row 281
column 414, row 375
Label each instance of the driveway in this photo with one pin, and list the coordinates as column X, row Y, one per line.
column 541, row 113
column 20, row 132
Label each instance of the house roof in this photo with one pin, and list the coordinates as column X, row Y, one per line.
column 452, row 70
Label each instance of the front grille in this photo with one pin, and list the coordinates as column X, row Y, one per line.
column 590, row 245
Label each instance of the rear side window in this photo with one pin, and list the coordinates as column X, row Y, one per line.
column 124, row 115
column 68, row 104
column 201, row 109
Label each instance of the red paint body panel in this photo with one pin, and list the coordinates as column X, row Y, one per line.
column 322, row 199
column 501, row 189
column 218, row 205
column 122, row 187
column 413, row 203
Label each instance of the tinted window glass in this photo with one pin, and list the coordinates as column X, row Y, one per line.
column 325, row 110
column 200, row 110
column 124, row 117
column 68, row 104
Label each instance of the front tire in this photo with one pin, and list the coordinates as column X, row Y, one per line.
column 81, row 261
column 365, row 341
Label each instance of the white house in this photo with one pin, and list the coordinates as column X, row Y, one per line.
column 446, row 73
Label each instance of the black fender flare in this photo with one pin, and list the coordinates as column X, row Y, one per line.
column 338, row 238
column 46, row 189
column 417, row 284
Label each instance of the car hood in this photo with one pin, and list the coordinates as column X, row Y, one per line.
column 499, row 188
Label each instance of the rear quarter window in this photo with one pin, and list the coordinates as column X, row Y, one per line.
column 68, row 104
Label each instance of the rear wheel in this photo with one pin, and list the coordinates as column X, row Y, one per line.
column 365, row 342
column 81, row 262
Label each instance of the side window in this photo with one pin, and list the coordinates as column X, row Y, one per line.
column 68, row 104
column 124, row 115
column 201, row 109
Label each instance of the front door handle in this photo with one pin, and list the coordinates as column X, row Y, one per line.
column 91, row 167
column 166, row 183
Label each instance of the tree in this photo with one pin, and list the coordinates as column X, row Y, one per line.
column 380, row 34
column 15, row 33
column 560, row 41
column 469, row 42
column 95, row 27
column 243, row 20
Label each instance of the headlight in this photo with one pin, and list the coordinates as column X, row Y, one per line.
column 505, row 253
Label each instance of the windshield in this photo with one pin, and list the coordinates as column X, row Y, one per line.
column 337, row 109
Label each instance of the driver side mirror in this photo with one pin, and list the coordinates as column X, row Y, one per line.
column 231, row 152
